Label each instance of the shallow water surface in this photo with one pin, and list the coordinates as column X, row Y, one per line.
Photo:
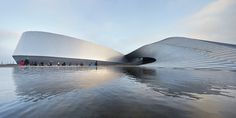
column 76, row 92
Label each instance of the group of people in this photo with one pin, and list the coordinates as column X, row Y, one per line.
column 26, row 62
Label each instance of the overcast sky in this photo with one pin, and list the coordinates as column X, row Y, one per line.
column 123, row 25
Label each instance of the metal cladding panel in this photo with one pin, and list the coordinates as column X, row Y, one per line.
column 34, row 43
column 186, row 52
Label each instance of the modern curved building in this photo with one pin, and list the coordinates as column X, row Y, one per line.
column 42, row 48
column 187, row 52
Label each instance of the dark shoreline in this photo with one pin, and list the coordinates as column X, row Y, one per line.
column 8, row 65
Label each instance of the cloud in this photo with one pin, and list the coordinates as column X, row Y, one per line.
column 8, row 41
column 215, row 22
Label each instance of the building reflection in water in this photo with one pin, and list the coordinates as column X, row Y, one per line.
column 48, row 81
column 122, row 92
column 36, row 83
column 179, row 82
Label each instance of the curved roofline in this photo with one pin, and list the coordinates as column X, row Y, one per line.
column 196, row 39
column 179, row 37
column 70, row 37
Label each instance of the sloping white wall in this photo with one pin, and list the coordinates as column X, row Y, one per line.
column 34, row 43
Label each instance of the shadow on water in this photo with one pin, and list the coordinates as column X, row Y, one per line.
column 116, row 92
